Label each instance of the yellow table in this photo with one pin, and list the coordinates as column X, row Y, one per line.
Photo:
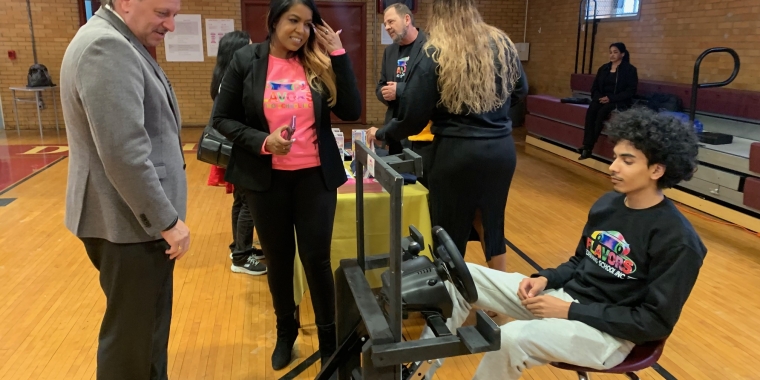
column 376, row 228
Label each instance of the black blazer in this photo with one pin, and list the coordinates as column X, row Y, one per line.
column 388, row 72
column 626, row 87
column 419, row 105
column 239, row 116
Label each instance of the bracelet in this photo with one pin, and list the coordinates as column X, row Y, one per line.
column 338, row 52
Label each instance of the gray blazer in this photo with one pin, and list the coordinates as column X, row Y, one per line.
column 126, row 179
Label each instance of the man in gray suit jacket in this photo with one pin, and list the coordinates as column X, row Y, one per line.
column 127, row 190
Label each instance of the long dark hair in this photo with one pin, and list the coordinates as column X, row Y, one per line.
column 316, row 62
column 621, row 47
column 228, row 45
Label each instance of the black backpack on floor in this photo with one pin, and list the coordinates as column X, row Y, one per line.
column 39, row 76
column 664, row 102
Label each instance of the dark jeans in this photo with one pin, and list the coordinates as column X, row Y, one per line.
column 596, row 115
column 134, row 334
column 297, row 199
column 242, row 227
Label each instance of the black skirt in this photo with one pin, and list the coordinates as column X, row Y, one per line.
column 466, row 175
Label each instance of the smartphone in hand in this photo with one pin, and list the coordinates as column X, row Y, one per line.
column 290, row 130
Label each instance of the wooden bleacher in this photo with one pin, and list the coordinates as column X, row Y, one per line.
column 727, row 184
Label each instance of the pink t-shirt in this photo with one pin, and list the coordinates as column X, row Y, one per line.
column 287, row 94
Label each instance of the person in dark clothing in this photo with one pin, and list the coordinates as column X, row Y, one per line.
column 407, row 45
column 245, row 257
column 464, row 81
column 634, row 267
column 613, row 89
column 275, row 104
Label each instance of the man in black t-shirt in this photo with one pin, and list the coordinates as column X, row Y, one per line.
column 398, row 61
column 633, row 269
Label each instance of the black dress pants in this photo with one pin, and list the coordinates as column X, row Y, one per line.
column 297, row 205
column 137, row 282
column 596, row 115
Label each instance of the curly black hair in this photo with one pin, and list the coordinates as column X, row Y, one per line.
column 662, row 138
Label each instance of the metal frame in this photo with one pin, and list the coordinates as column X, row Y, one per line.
column 37, row 99
column 370, row 343
column 393, row 183
column 583, row 18
column 695, row 85
column 587, row 376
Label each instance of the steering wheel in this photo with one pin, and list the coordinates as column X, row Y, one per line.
column 453, row 264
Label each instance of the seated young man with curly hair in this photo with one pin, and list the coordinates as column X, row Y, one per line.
column 635, row 265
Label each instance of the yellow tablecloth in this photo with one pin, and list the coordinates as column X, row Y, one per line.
column 414, row 211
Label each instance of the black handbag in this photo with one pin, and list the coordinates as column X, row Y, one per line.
column 213, row 148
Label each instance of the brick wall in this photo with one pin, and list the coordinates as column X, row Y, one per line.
column 192, row 80
column 56, row 22
column 664, row 42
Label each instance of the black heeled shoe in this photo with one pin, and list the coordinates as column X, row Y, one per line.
column 328, row 341
column 585, row 153
column 287, row 333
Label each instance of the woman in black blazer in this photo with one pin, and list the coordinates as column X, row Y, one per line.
column 613, row 89
column 300, row 73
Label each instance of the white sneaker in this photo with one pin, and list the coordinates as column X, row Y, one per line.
column 252, row 266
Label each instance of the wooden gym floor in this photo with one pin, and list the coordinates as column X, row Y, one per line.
column 223, row 325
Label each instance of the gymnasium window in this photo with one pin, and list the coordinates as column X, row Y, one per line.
column 613, row 9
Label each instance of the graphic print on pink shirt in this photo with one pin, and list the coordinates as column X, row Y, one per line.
column 288, row 94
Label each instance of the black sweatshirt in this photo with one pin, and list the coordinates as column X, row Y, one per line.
column 632, row 271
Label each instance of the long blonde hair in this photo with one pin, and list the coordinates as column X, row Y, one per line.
column 315, row 61
column 319, row 71
column 471, row 55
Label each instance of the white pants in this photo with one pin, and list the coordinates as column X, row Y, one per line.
column 529, row 341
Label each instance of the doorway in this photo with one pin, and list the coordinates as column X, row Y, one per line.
column 350, row 17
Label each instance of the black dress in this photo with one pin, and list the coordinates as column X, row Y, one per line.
column 472, row 159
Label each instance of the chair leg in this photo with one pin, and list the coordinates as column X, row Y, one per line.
column 583, row 376
column 632, row 375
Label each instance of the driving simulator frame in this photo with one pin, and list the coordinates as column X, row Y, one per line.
column 370, row 345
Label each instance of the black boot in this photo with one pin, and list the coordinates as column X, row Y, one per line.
column 287, row 332
column 327, row 341
column 585, row 153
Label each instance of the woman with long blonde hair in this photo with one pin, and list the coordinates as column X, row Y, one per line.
column 274, row 105
column 464, row 84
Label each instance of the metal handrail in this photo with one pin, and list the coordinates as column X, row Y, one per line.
column 582, row 16
column 695, row 85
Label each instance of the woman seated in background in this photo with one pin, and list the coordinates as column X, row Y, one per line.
column 613, row 89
